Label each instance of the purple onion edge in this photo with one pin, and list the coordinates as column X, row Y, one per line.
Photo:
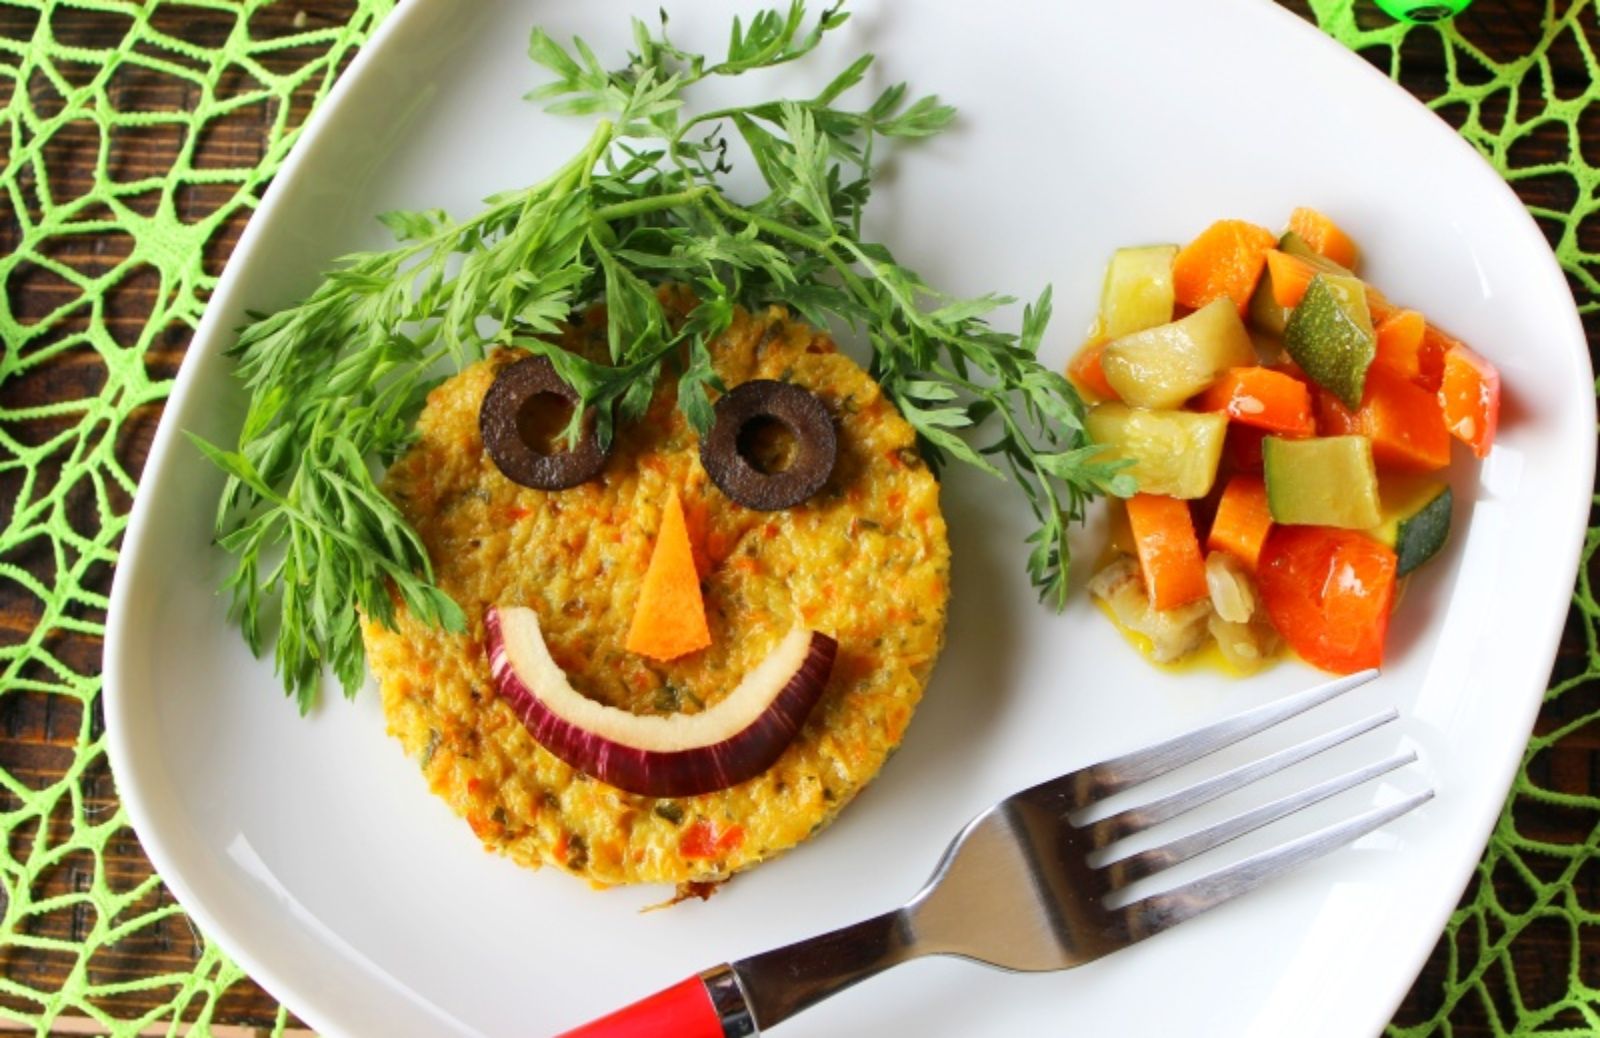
column 670, row 773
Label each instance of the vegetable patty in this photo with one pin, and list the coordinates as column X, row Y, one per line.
column 865, row 560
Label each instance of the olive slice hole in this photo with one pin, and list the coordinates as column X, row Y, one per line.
column 542, row 422
column 768, row 444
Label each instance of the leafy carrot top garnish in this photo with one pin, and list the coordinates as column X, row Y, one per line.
column 336, row 380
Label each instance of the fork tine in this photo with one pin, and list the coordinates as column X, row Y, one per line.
column 1145, row 863
column 1109, row 830
column 1101, row 780
column 1162, row 911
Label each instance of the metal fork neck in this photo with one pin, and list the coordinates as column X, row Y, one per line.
column 779, row 983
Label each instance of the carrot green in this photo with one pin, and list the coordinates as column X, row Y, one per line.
column 336, row 379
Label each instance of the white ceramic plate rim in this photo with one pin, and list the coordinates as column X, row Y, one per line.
column 211, row 336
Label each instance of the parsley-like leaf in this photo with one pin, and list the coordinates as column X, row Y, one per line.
column 337, row 380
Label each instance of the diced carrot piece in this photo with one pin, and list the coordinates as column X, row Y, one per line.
column 1086, row 373
column 1242, row 448
column 669, row 619
column 1263, row 398
column 1379, row 307
column 1400, row 338
column 1169, row 551
column 1469, row 393
column 1323, row 235
column 1243, row 520
column 1403, row 421
column 1291, row 276
column 1225, row 260
column 702, row 840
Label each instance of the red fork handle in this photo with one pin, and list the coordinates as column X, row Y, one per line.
column 709, row 1005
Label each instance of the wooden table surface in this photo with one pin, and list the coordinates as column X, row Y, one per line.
column 36, row 734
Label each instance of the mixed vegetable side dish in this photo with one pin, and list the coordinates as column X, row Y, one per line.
column 1289, row 428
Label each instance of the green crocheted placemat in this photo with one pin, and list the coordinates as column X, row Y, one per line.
column 66, row 259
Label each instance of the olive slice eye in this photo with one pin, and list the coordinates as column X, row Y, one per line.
column 521, row 420
column 772, row 445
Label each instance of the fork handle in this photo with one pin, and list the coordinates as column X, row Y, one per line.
column 688, row 1009
column 739, row 999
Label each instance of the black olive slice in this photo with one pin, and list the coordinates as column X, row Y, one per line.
column 729, row 458
column 511, row 410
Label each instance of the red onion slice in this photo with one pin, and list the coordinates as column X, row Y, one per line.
column 663, row 756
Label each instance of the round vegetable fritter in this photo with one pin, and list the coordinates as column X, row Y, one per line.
column 864, row 560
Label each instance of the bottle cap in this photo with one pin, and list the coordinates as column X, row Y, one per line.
column 1423, row 11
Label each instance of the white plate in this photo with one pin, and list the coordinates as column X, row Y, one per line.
column 310, row 847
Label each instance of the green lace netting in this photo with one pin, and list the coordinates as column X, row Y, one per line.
column 64, row 487
column 1526, row 110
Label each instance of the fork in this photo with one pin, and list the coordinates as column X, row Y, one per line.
column 1021, row 887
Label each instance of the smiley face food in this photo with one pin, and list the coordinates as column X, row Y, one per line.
column 863, row 560
column 681, row 643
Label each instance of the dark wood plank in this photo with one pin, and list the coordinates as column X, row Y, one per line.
column 1501, row 32
column 38, row 731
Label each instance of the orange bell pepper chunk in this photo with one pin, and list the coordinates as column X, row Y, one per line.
column 1329, row 593
column 1403, row 421
column 701, row 840
column 1469, row 393
column 1430, row 356
column 1242, row 448
column 1400, row 338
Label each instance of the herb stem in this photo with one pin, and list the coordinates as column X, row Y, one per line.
column 652, row 204
column 823, row 247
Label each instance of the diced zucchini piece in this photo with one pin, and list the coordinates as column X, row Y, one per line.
column 1266, row 313
column 1416, row 518
column 1330, row 336
column 1328, row 481
column 1119, row 532
column 1162, row 367
column 1173, row 452
column 1269, row 349
column 1138, row 290
column 1295, row 245
column 1420, row 536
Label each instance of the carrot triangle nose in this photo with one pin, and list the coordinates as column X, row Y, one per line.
column 669, row 619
